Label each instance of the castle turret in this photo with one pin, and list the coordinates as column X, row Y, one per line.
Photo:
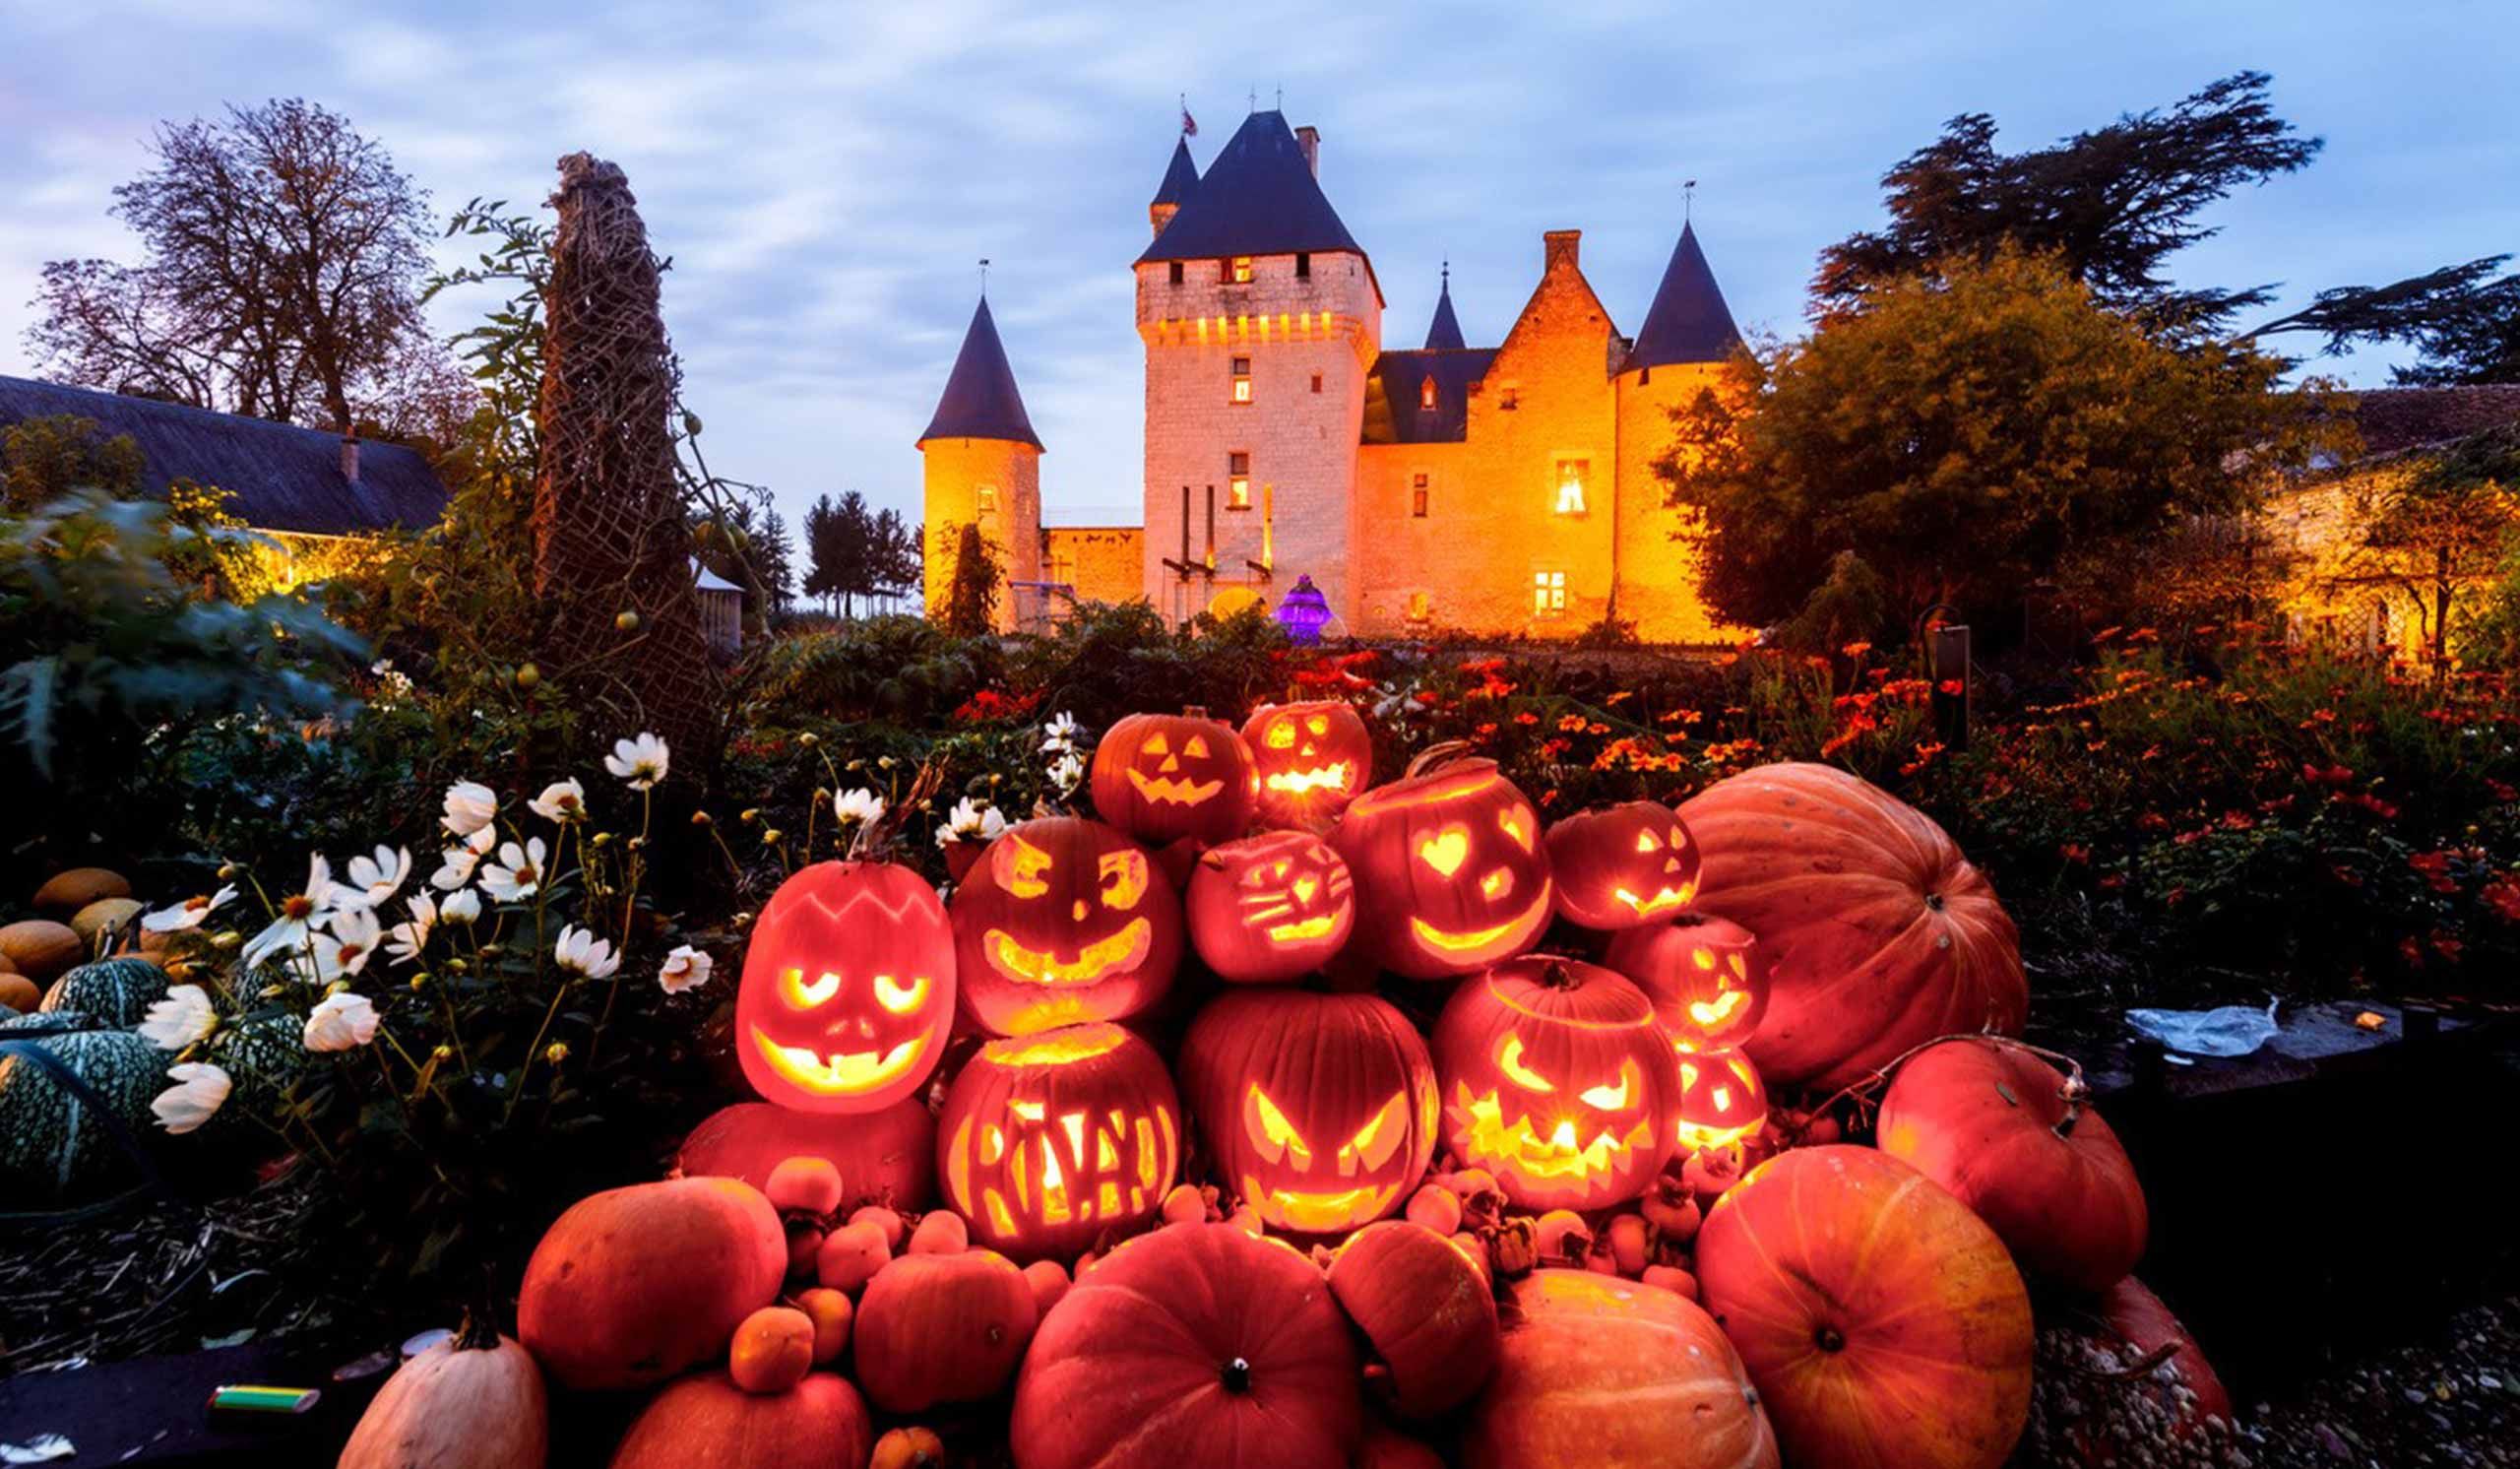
column 1679, row 350
column 1181, row 181
column 982, row 467
column 1443, row 334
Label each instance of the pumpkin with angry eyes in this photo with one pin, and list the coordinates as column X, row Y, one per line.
column 1623, row 866
column 1721, row 1099
column 848, row 988
column 1163, row 776
column 1706, row 976
column 1313, row 758
column 1318, row 1108
column 1271, row 906
column 1049, row 1141
column 1451, row 874
column 1557, row 1079
column 1063, row 920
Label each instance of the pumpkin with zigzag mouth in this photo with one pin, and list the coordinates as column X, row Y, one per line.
column 848, row 988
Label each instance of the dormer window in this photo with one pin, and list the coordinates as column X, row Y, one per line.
column 1242, row 379
column 1571, row 475
column 1237, row 271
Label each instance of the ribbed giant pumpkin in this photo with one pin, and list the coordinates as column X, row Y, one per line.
column 1882, row 935
column 1706, row 976
column 1425, row 1309
column 1049, row 1139
column 1269, row 908
column 885, row 1157
column 848, row 988
column 1450, row 872
column 1881, row 1321
column 1721, row 1099
column 2020, row 1143
column 1319, row 1110
column 1063, row 920
column 1600, row 1372
column 1622, row 865
column 630, row 1285
column 706, row 1422
column 1195, row 1345
column 1163, row 776
column 1557, row 1079
column 1313, row 758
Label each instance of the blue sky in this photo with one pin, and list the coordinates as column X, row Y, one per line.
column 826, row 176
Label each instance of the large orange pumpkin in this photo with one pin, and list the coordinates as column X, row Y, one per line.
column 2015, row 1141
column 1424, row 1307
column 1557, row 1079
column 1622, row 865
column 1313, row 758
column 885, row 1157
column 1881, row 1321
column 1600, row 1372
column 848, row 988
column 1882, row 935
column 1706, row 976
column 1163, row 776
column 1049, row 1141
column 941, row 1328
column 1269, row 908
column 1197, row 1344
column 1450, row 872
column 633, row 1285
column 1060, row 922
column 1319, row 1110
column 706, row 1422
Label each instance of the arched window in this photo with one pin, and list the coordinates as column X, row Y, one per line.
column 1426, row 392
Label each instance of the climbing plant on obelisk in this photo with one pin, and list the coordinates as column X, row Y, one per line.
column 619, row 622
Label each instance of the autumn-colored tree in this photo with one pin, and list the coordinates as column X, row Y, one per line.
column 2440, row 528
column 1966, row 434
column 44, row 458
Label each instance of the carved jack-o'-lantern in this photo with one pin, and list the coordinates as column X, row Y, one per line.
column 848, row 988
column 1314, row 757
column 1721, row 1099
column 1163, row 776
column 1319, row 1109
column 1630, row 865
column 1063, row 920
column 1451, row 874
column 1557, row 1080
column 1048, row 1140
column 1705, row 977
column 1271, row 906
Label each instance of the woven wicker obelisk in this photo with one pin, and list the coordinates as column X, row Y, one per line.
column 609, row 531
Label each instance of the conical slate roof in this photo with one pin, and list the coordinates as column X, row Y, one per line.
column 980, row 398
column 1259, row 198
column 1444, row 332
column 1181, row 179
column 1688, row 321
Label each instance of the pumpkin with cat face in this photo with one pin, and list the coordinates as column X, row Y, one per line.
column 848, row 988
column 1270, row 908
column 1060, row 922
column 1314, row 757
column 1163, row 776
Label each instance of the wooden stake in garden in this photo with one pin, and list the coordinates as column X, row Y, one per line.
column 611, row 569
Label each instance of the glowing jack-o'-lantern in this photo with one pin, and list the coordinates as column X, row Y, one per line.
column 1450, row 872
column 1630, row 865
column 1060, row 922
column 1318, row 1108
column 1270, row 907
column 1313, row 759
column 1557, row 1080
column 1048, row 1140
column 848, row 988
column 1706, row 976
column 1163, row 776
column 1721, row 1099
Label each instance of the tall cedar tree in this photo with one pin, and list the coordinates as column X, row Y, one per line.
column 974, row 585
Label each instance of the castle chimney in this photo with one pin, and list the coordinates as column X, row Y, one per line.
column 349, row 457
column 1560, row 245
column 1309, row 140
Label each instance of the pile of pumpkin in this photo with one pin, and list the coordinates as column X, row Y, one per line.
column 1556, row 1226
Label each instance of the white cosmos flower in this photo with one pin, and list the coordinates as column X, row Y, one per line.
column 413, row 936
column 563, row 801
column 518, row 873
column 342, row 1022
column 1066, row 772
column 860, row 805
column 373, row 879
column 194, row 1097
column 345, row 950
column 687, row 968
column 1059, row 735
column 181, row 1018
column 188, row 914
column 970, row 821
column 456, row 862
column 297, row 914
column 462, row 906
column 469, row 806
column 581, row 952
column 642, row 761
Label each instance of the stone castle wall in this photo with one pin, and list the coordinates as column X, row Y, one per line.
column 956, row 472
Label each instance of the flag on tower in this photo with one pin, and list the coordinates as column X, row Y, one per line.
column 1189, row 124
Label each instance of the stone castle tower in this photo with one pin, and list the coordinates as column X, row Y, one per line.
column 982, row 466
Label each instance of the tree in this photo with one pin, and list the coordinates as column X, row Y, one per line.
column 1965, row 435
column 283, row 261
column 2441, row 525
column 967, row 602
column 898, row 562
column 45, row 458
column 854, row 551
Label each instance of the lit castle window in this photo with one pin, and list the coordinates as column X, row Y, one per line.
column 1242, row 379
column 1238, row 270
column 1549, row 593
column 987, row 499
column 1237, row 484
column 1426, row 392
column 1570, row 486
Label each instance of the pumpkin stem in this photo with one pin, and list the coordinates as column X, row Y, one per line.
column 1556, row 975
column 1442, row 753
column 475, row 1333
column 1235, row 1376
column 1194, row 711
column 1829, row 1339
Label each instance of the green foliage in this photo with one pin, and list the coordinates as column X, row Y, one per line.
column 857, row 551
column 976, row 578
column 44, row 459
column 1850, row 607
column 905, row 670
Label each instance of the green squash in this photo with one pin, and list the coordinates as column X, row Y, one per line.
column 54, row 1149
column 117, row 991
column 264, row 1055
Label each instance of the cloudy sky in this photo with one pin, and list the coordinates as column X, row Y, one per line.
column 826, row 176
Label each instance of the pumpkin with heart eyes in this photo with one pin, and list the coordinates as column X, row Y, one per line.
column 1557, row 1079
column 1163, row 777
column 1313, row 758
column 1063, row 920
column 1622, row 867
column 1707, row 977
column 1450, row 872
column 1270, row 908
column 848, row 988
